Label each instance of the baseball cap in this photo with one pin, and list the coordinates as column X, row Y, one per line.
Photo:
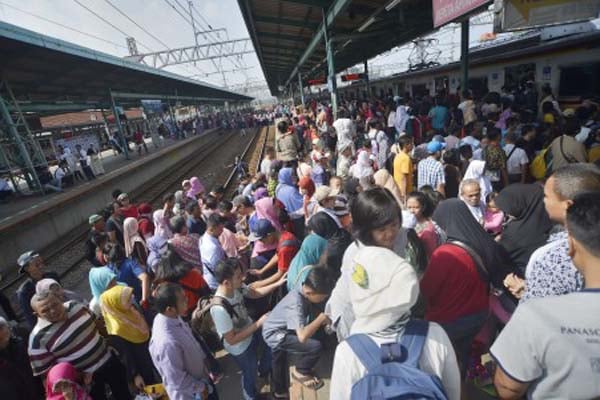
column 340, row 208
column 262, row 229
column 434, row 146
column 383, row 287
column 315, row 141
column 439, row 138
column 25, row 259
column 122, row 196
column 94, row 218
column 322, row 192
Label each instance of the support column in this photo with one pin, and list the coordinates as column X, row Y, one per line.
column 301, row 89
column 119, row 126
column 331, row 80
column 464, row 55
column 29, row 171
column 367, row 80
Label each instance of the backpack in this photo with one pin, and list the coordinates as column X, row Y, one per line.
column 541, row 164
column 202, row 323
column 393, row 370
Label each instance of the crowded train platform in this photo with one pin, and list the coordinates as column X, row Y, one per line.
column 435, row 247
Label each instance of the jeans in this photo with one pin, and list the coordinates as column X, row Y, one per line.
column 247, row 362
column 307, row 353
column 113, row 374
column 461, row 333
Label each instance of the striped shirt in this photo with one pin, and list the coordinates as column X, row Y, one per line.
column 75, row 340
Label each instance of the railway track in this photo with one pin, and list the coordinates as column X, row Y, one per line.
column 67, row 255
column 251, row 157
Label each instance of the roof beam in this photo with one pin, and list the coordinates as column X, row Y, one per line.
column 333, row 12
column 281, row 36
column 313, row 3
column 285, row 21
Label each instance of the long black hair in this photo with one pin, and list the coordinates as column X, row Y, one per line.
column 373, row 209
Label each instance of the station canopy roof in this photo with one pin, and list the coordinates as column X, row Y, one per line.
column 47, row 74
column 288, row 34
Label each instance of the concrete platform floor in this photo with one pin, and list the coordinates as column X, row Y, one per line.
column 21, row 204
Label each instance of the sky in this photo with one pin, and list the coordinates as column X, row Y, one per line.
column 159, row 19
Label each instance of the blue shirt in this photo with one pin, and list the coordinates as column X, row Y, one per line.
column 211, row 252
column 128, row 273
column 438, row 115
column 196, row 226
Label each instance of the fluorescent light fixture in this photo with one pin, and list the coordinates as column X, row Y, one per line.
column 392, row 4
column 367, row 24
column 347, row 43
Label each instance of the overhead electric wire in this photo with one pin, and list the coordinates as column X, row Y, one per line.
column 62, row 25
column 136, row 24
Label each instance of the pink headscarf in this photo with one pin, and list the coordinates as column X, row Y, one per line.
column 161, row 225
column 265, row 209
column 197, row 188
column 131, row 235
column 64, row 372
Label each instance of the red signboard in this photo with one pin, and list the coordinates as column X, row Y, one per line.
column 445, row 11
column 315, row 82
column 353, row 77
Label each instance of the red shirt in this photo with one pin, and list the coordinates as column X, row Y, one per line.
column 130, row 211
column 451, row 286
column 286, row 250
column 194, row 287
column 145, row 227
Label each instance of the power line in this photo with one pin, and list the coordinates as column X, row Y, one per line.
column 62, row 25
column 136, row 24
column 107, row 22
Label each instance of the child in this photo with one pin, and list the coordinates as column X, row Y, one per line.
column 64, row 382
column 239, row 333
column 493, row 216
column 287, row 330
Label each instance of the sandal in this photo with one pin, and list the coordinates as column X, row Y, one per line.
column 311, row 382
column 280, row 395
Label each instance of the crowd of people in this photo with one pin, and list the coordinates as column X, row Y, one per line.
column 411, row 235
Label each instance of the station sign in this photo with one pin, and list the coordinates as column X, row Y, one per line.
column 511, row 15
column 353, row 77
column 317, row 81
column 445, row 11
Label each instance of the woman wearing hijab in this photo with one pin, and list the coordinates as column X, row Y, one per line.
column 101, row 279
column 362, row 168
column 309, row 254
column 455, row 284
column 385, row 180
column 185, row 244
column 382, row 308
column 196, row 189
column 476, row 170
column 323, row 225
column 161, row 226
column 64, row 382
column 128, row 333
column 135, row 246
column 528, row 226
column 287, row 192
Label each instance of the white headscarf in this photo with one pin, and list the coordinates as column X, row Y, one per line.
column 362, row 168
column 476, row 170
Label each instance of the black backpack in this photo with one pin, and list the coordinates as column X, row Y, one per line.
column 202, row 323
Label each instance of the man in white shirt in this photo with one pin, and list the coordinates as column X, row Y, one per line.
column 517, row 162
column 550, row 348
column 211, row 250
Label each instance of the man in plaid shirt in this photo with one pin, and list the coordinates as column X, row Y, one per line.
column 430, row 171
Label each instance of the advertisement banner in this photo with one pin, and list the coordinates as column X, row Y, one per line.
column 526, row 14
column 445, row 11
